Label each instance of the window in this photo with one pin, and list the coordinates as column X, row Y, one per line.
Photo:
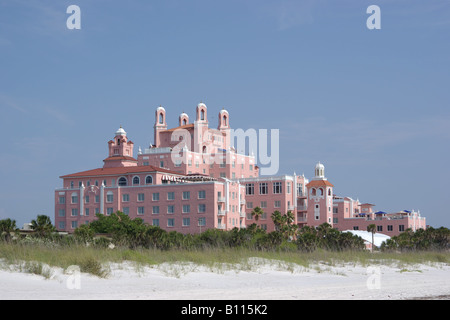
column 202, row 194
column 161, row 164
column 390, row 228
column 170, row 222
column 186, row 208
column 155, row 196
column 335, row 209
column 86, row 212
column 249, row 188
column 170, row 195
column 141, row 197
column 277, row 187
column 300, row 189
column 97, row 199
column 170, row 209
column 355, row 228
column 109, row 196
column 401, row 227
column 148, row 180
column 186, row 222
column 288, row 187
column 126, row 210
column 263, row 204
column 74, row 198
column 71, row 185
column 74, row 224
column 97, row 210
column 62, row 200
column 379, row 228
column 136, row 181
column 251, row 167
column 61, row 225
column 125, row 197
column 249, row 205
column 263, row 189
column 186, row 195
column 140, row 210
column 201, row 222
column 86, row 199
column 277, row 204
column 202, row 208
column 155, row 210
column 155, row 222
column 320, row 192
column 122, row 182
column 109, row 211
column 61, row 213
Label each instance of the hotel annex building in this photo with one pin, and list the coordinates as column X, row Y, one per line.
column 192, row 179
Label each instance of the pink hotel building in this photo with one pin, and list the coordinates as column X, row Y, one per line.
column 192, row 179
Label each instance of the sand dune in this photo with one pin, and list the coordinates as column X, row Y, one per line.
column 264, row 281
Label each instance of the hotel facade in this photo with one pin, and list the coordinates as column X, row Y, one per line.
column 192, row 179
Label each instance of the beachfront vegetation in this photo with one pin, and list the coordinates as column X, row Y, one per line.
column 117, row 237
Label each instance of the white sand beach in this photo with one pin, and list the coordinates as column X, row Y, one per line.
column 265, row 281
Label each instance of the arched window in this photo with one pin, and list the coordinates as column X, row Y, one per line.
column 184, row 122
column 320, row 192
column 204, row 149
column 202, row 115
column 313, row 191
column 161, row 118
column 122, row 182
column 225, row 120
column 136, row 181
column 148, row 180
column 329, row 192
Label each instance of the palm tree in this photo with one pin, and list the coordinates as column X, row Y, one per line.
column 257, row 212
column 42, row 225
column 7, row 226
column 372, row 228
column 277, row 219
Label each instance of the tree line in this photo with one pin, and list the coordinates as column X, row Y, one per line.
column 120, row 230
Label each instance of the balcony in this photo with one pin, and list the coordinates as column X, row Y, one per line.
column 221, row 212
column 221, row 226
column 242, row 202
column 291, row 207
column 221, row 199
column 242, row 214
column 302, row 208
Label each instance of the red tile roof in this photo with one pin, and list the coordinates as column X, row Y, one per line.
column 319, row 183
column 114, row 158
column 119, row 171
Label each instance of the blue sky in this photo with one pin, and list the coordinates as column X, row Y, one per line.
column 372, row 105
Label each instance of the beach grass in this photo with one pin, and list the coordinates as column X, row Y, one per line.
column 96, row 260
